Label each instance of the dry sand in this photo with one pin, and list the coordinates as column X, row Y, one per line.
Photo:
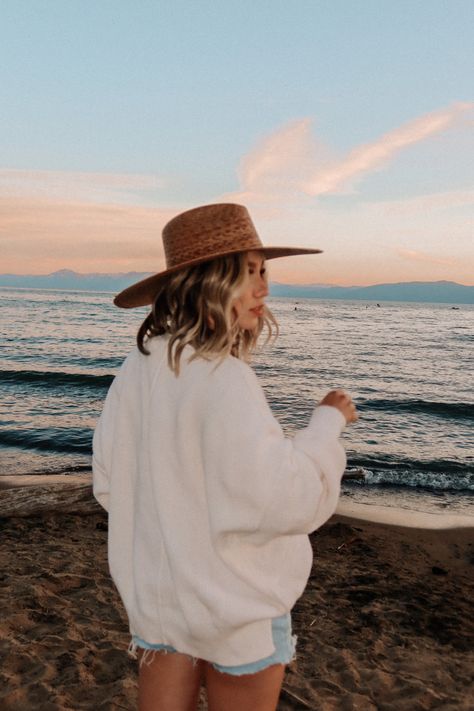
column 386, row 621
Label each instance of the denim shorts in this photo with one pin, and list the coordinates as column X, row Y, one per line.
column 284, row 641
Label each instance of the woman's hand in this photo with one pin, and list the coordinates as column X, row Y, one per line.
column 343, row 402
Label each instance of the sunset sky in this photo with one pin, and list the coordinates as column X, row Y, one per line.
column 344, row 125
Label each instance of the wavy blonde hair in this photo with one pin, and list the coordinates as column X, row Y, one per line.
column 194, row 306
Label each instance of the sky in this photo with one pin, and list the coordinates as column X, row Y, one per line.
column 345, row 125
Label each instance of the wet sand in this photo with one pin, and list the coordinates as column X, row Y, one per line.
column 386, row 622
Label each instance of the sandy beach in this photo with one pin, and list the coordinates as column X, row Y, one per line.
column 386, row 621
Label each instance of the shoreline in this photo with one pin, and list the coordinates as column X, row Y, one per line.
column 398, row 517
column 34, row 494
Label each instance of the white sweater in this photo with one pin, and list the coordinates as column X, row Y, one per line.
column 209, row 503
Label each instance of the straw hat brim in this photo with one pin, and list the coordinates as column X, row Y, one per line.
column 143, row 292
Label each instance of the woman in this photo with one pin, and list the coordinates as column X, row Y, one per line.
column 209, row 503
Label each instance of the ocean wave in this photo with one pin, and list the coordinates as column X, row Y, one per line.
column 373, row 470
column 457, row 410
column 427, row 481
column 432, row 474
column 52, row 439
column 53, row 379
column 391, row 461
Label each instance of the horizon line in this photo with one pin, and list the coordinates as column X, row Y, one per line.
column 277, row 283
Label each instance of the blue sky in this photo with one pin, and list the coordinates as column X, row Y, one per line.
column 146, row 108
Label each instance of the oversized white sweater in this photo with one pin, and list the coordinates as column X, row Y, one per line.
column 209, row 503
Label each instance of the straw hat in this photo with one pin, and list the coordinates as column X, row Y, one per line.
column 200, row 235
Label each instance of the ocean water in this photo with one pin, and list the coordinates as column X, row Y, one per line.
column 408, row 367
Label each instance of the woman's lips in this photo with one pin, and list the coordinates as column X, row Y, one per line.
column 258, row 310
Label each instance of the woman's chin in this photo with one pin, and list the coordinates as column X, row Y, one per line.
column 250, row 324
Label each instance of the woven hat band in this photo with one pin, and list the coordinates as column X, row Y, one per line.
column 203, row 234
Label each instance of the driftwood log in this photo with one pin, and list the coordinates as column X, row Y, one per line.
column 31, row 495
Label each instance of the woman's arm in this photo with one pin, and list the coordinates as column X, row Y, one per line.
column 258, row 481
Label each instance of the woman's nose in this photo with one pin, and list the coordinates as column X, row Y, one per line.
column 261, row 289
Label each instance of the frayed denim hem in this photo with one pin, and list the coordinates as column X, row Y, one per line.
column 284, row 642
column 148, row 653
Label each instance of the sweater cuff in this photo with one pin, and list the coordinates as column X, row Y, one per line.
column 328, row 419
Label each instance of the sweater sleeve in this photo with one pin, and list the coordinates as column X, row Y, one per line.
column 258, row 481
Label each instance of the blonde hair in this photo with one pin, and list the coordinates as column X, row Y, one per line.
column 194, row 306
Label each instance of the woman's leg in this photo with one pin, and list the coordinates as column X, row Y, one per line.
column 168, row 682
column 258, row 692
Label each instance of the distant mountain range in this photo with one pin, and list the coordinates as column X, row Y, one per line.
column 447, row 292
column 67, row 279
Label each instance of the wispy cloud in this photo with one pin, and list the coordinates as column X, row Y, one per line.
column 280, row 159
column 279, row 163
column 292, row 160
column 371, row 156
column 78, row 186
column 432, row 201
column 39, row 235
column 413, row 255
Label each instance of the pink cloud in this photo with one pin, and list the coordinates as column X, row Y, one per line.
column 432, row 201
column 371, row 156
column 37, row 235
column 77, row 186
column 291, row 163
column 415, row 256
column 280, row 158
column 278, row 164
